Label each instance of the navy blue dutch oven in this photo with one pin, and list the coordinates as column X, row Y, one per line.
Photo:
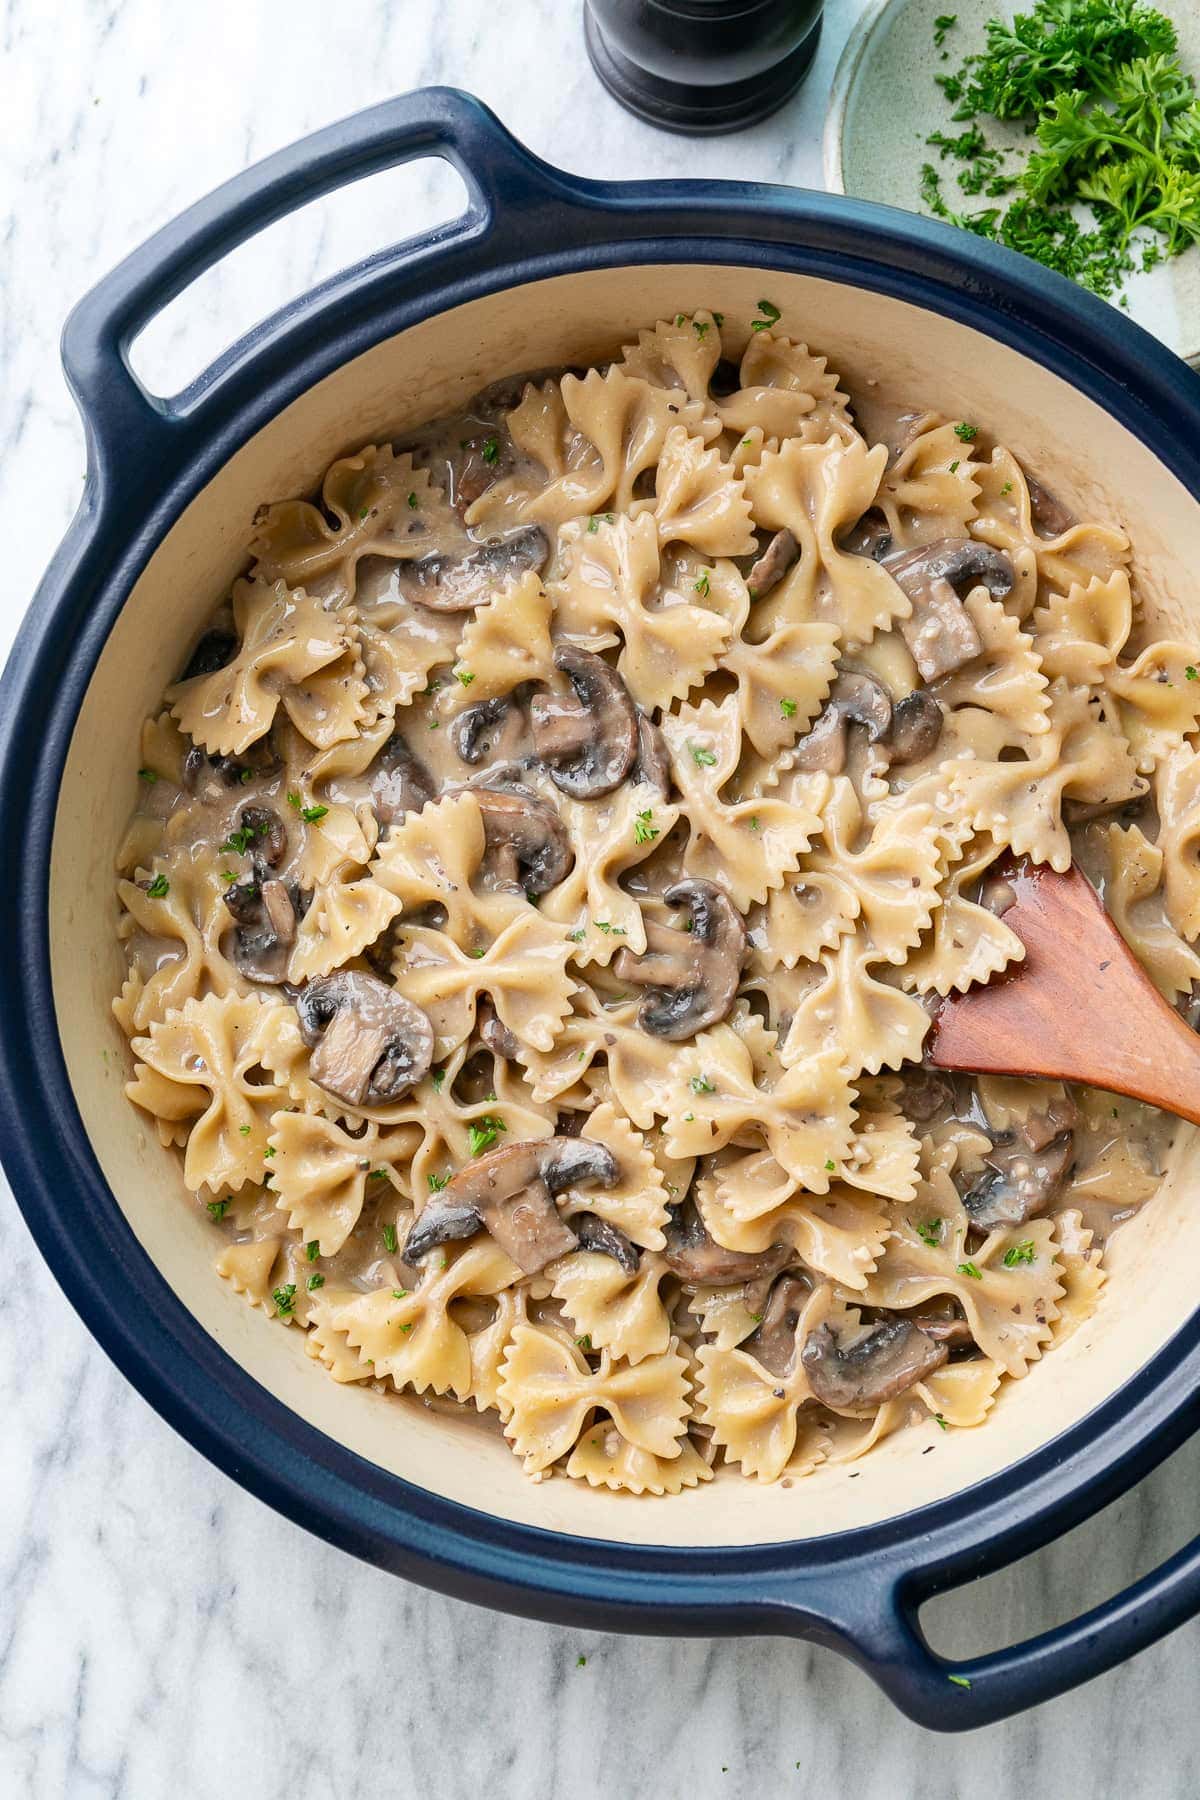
column 546, row 268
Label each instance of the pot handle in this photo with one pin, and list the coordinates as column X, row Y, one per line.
column 131, row 432
column 877, row 1625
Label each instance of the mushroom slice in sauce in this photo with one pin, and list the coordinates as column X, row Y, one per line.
column 446, row 583
column 267, row 911
column 915, row 728
column 939, row 631
column 399, row 781
column 653, row 766
column 475, row 733
column 692, row 976
column 1050, row 517
column 262, row 826
column 215, row 649
column 1026, row 1170
column 774, row 1343
column 771, row 567
column 870, row 536
column 854, row 699
column 694, row 1256
column 369, row 1044
column 498, row 1038
column 510, row 1193
column 527, row 842
column 605, row 1239
column 885, row 1362
column 589, row 741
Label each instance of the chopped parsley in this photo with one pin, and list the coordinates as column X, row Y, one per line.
column 958, row 1681
column 437, row 1182
column 681, row 318
column 147, row 775
column 312, row 1249
column 310, row 814
column 930, row 1232
column 285, row 1300
column 491, row 450
column 965, row 433
column 1006, row 489
column 700, row 327
column 576, row 937
column 593, row 523
column 245, row 1130
column 609, row 929
column 703, row 586
column 1190, row 672
column 702, row 756
column 584, row 1342
column 938, row 1420
column 581, row 1662
column 954, row 467
column 788, row 708
column 315, row 1282
column 968, row 1268
column 270, row 1150
column 483, row 1133
column 644, row 830
column 399, row 1293
column 240, row 840
column 466, row 676
column 217, row 1209
column 753, row 822
column 1113, row 124
column 159, row 887
column 941, row 25
column 437, row 1078
column 770, row 316
column 390, row 1240
column 700, row 1084
column 1024, row 1252
column 830, row 1164
column 412, row 501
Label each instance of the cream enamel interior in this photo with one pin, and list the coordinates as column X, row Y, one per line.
column 419, row 375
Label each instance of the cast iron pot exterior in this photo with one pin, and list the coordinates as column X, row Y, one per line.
column 857, row 1592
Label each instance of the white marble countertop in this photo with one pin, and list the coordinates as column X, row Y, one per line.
column 160, row 1631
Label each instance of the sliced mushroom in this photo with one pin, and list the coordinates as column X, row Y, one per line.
column 653, row 765
column 925, row 1093
column 369, row 1044
column 267, row 911
column 936, row 577
column 510, row 1193
column 455, row 584
column 955, row 1333
column 694, row 1256
column 774, row 1343
column 495, row 1035
column 771, row 567
column 915, row 729
column 1050, row 517
column 870, row 536
column 590, row 740
column 263, row 825
column 527, row 842
column 215, row 649
column 400, row 782
column 1026, row 1169
column 887, row 1360
column 607, row 1240
column 692, row 976
column 477, row 733
column 854, row 699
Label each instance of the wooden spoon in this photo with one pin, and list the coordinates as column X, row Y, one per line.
column 1079, row 1008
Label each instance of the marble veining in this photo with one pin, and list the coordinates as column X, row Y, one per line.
column 161, row 1632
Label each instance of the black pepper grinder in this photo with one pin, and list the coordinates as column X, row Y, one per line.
column 702, row 66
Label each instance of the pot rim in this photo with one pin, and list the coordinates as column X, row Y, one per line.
column 828, row 1587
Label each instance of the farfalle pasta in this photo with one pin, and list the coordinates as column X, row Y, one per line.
column 547, row 864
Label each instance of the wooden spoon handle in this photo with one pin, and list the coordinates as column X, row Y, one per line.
column 1079, row 1008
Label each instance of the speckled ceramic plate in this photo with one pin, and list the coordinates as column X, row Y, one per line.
column 885, row 102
